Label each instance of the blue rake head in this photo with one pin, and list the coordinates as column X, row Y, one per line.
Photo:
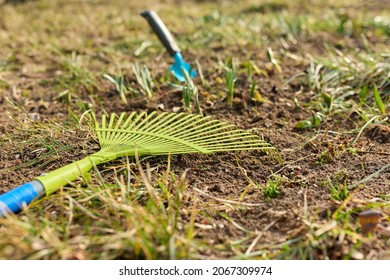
column 179, row 66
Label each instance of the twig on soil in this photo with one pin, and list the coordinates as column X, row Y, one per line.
column 226, row 200
column 305, row 204
column 361, row 130
column 287, row 165
column 227, row 218
column 373, row 152
column 368, row 177
column 254, row 242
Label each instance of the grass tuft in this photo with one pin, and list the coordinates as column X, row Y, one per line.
column 272, row 188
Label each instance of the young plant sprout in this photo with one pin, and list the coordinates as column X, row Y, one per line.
column 119, row 83
column 190, row 93
column 144, row 79
column 231, row 77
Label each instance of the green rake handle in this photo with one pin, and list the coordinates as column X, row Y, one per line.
column 15, row 200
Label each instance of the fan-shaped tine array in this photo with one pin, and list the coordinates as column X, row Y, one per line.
column 174, row 133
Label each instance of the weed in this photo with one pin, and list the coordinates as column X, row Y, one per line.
column 77, row 73
column 354, row 73
column 319, row 238
column 325, row 157
column 315, row 121
column 272, row 188
column 338, row 191
column 335, row 83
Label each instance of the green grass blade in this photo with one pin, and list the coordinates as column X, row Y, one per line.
column 378, row 100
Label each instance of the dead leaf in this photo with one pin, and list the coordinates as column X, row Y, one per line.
column 369, row 220
column 327, row 227
column 258, row 97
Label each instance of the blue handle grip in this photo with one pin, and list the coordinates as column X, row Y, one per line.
column 14, row 201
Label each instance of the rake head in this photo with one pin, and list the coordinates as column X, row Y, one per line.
column 173, row 133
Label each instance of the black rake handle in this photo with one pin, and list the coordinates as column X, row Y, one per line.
column 162, row 31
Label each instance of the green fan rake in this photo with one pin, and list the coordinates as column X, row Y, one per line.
column 144, row 134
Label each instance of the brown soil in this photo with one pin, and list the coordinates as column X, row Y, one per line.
column 227, row 175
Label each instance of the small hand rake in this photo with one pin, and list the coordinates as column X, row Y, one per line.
column 144, row 134
column 169, row 43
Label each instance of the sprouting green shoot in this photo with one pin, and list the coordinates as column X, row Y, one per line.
column 315, row 120
column 201, row 76
column 144, row 79
column 378, row 100
column 249, row 67
column 119, row 83
column 327, row 102
column 65, row 96
column 363, row 95
column 190, row 93
column 274, row 62
column 187, row 97
column 253, row 89
column 231, row 78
